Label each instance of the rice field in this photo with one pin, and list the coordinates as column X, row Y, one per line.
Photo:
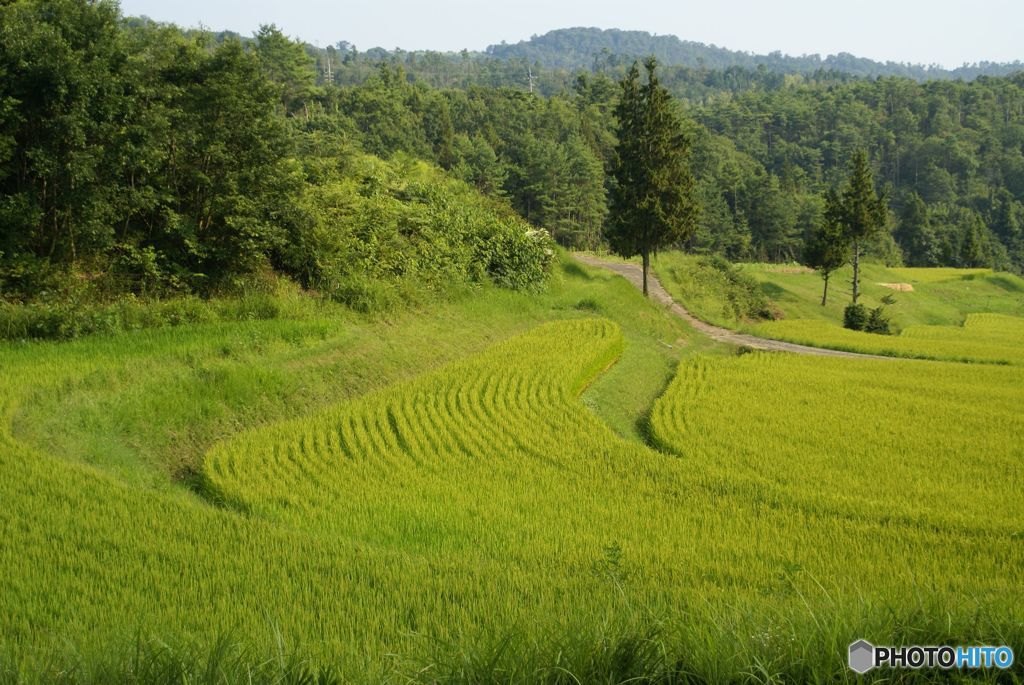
column 940, row 274
column 497, row 503
column 879, row 442
column 479, row 522
column 985, row 338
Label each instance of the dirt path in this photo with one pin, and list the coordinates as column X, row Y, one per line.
column 634, row 274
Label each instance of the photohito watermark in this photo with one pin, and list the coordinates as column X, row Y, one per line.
column 865, row 656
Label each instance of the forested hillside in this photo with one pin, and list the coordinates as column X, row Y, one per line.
column 765, row 144
column 138, row 157
column 581, row 48
column 550, row 63
column 949, row 154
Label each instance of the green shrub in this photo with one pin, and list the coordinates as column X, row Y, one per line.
column 877, row 322
column 515, row 258
column 855, row 317
column 385, row 232
column 742, row 292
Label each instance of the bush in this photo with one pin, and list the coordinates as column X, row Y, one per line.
column 855, row 317
column 742, row 292
column 515, row 258
column 388, row 233
column 877, row 322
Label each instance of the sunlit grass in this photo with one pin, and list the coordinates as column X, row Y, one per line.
column 480, row 506
column 988, row 338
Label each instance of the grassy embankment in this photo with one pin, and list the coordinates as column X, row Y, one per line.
column 946, row 314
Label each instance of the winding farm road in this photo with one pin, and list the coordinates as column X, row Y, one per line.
column 634, row 274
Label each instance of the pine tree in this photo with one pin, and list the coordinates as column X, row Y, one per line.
column 972, row 253
column 826, row 248
column 586, row 199
column 861, row 212
column 288, row 67
column 652, row 197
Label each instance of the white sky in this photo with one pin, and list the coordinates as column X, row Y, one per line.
column 946, row 32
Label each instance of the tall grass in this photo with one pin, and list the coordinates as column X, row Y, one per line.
column 66, row 320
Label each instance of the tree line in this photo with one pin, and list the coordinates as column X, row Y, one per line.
column 765, row 150
column 186, row 160
column 577, row 48
column 138, row 158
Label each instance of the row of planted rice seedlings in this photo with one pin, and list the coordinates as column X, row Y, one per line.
column 464, row 411
column 481, row 401
column 939, row 274
column 688, row 388
column 995, row 322
column 824, row 429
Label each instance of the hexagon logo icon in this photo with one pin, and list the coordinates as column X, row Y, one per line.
column 862, row 656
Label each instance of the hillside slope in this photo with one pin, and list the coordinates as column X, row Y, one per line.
column 580, row 47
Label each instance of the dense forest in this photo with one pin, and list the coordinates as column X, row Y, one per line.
column 138, row 156
column 582, row 48
column 764, row 150
column 137, row 159
column 765, row 147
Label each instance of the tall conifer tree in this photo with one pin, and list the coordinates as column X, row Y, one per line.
column 861, row 213
column 825, row 248
column 652, row 197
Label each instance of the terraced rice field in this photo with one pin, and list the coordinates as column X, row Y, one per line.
column 482, row 509
column 987, row 338
column 886, row 443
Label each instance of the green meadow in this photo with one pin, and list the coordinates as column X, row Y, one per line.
column 940, row 296
column 968, row 315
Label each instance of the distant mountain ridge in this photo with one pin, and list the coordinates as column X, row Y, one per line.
column 587, row 48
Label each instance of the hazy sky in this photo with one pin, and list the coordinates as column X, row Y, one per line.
column 947, row 32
